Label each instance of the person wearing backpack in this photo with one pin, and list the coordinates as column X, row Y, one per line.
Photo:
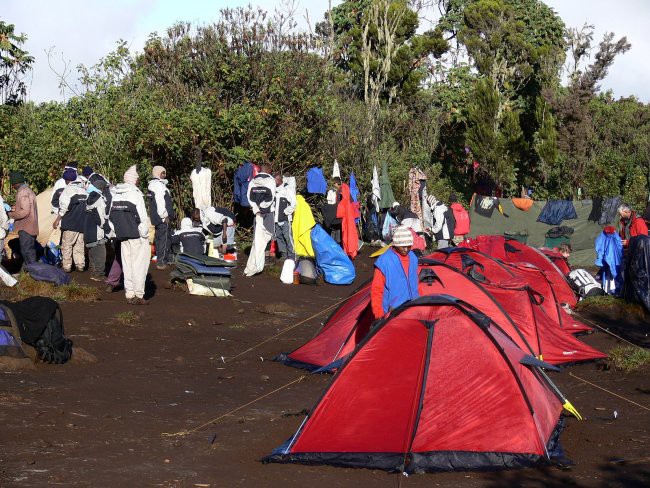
column 128, row 218
column 461, row 218
column 161, row 210
column 96, row 227
column 443, row 222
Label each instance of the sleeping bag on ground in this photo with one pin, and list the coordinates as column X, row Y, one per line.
column 333, row 263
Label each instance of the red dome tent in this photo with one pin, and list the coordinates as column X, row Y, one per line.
column 460, row 395
column 351, row 322
column 513, row 251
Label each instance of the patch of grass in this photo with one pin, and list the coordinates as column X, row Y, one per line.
column 237, row 326
column 628, row 358
column 28, row 287
column 127, row 318
column 604, row 301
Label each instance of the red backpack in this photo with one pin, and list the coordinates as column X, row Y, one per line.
column 462, row 219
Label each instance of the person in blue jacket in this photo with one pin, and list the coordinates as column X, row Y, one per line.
column 396, row 275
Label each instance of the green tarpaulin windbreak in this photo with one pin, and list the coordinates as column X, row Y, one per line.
column 386, row 191
column 520, row 224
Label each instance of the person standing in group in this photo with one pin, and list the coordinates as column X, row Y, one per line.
column 161, row 210
column 443, row 223
column 261, row 196
column 59, row 185
column 72, row 219
column 285, row 205
column 25, row 214
column 396, row 275
column 631, row 224
column 128, row 217
column 96, row 227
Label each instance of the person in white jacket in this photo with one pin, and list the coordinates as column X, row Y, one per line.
column 128, row 218
column 261, row 196
column 443, row 227
column 201, row 179
column 6, row 278
column 161, row 211
column 285, row 205
column 72, row 220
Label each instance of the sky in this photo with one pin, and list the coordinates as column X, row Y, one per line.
column 82, row 31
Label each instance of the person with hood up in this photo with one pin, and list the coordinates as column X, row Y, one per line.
column 161, row 209
column 443, row 225
column 96, row 228
column 396, row 275
column 631, row 224
column 60, row 184
column 285, row 205
column 129, row 221
column 261, row 196
column 72, row 219
column 189, row 239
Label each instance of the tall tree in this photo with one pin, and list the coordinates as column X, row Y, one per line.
column 15, row 63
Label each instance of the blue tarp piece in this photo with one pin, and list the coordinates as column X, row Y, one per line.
column 331, row 260
column 555, row 211
column 202, row 269
column 316, row 181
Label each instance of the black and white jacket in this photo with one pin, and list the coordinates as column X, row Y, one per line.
column 96, row 228
column 285, row 202
column 72, row 207
column 160, row 201
column 128, row 213
column 261, row 193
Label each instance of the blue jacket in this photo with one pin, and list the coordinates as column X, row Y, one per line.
column 399, row 288
column 555, row 211
column 609, row 253
column 243, row 176
column 316, row 181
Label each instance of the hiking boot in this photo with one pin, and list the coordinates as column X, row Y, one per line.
column 137, row 301
column 98, row 278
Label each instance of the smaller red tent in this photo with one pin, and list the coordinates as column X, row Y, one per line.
column 459, row 395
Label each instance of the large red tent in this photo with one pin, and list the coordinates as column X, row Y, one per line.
column 460, row 395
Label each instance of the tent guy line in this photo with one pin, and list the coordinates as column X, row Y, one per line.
column 590, row 322
column 610, row 392
column 190, row 431
column 228, row 360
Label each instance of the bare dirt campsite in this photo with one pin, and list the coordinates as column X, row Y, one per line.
column 139, row 415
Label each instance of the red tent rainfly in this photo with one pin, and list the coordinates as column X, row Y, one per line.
column 459, row 395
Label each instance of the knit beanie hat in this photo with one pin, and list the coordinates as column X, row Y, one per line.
column 69, row 175
column 16, row 177
column 131, row 175
column 157, row 171
column 402, row 237
column 432, row 201
column 87, row 171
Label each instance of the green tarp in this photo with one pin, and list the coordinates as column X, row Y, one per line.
column 387, row 197
column 517, row 222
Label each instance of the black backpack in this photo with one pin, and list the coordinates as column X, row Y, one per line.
column 53, row 346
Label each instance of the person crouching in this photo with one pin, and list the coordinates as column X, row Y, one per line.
column 396, row 275
column 189, row 239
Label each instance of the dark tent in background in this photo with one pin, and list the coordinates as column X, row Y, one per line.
column 458, row 395
column 637, row 271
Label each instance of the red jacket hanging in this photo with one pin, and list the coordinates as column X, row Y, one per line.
column 347, row 212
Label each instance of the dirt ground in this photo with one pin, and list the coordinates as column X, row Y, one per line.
column 105, row 423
